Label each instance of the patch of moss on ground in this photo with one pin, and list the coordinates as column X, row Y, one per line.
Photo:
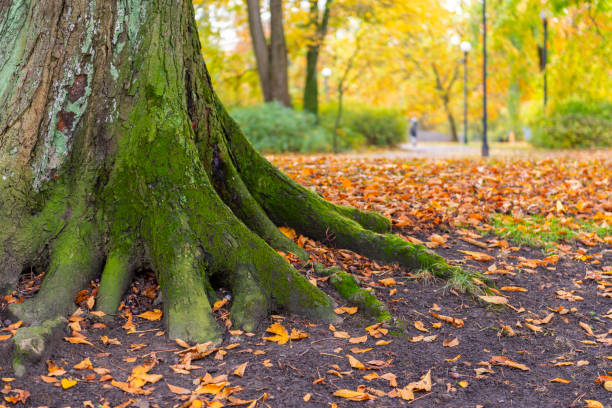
column 544, row 232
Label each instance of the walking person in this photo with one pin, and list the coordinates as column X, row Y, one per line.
column 413, row 131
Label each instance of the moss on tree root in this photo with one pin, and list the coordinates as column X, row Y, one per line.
column 154, row 166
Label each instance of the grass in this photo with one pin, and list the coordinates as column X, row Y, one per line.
column 544, row 232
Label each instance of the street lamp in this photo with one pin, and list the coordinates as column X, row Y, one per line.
column 465, row 47
column 544, row 52
column 485, row 144
column 326, row 73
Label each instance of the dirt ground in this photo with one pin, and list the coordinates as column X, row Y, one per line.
column 549, row 347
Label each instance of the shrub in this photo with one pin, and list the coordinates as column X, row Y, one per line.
column 359, row 124
column 575, row 124
column 274, row 128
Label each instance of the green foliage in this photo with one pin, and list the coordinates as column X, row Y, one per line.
column 274, row 128
column 575, row 124
column 366, row 125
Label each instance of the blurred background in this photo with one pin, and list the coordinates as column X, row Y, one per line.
column 337, row 75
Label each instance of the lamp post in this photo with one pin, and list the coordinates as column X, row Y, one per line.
column 326, row 73
column 485, row 143
column 465, row 47
column 544, row 56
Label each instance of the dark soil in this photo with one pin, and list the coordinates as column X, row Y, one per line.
column 287, row 372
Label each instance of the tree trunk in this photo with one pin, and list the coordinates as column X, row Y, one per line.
column 311, row 87
column 279, row 81
column 115, row 154
column 260, row 48
column 272, row 63
column 451, row 119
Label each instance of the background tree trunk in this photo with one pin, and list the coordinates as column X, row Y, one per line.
column 271, row 57
column 279, row 81
column 116, row 154
column 260, row 48
column 311, row 87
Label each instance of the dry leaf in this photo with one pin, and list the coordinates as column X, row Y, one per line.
column 239, row 371
column 355, row 363
column 505, row 361
column 420, row 326
column 154, row 315
column 560, row 380
column 587, row 329
column 353, row 395
column 84, row 365
column 178, row 390
column 68, row 383
column 495, row 300
column 451, row 343
column 477, row 256
column 77, row 340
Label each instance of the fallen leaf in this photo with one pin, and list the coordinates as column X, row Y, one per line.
column 353, row 395
column 178, row 390
column 420, row 326
column 463, row 384
column 84, row 365
column 477, row 256
column 560, row 380
column 513, row 289
column 451, row 343
column 355, row 363
column 495, row 300
column 154, row 315
column 66, row 383
column 452, row 320
column 505, row 361
column 587, row 329
column 239, row 371
column 77, row 340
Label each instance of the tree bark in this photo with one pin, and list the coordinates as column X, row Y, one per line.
column 311, row 87
column 271, row 58
column 260, row 48
column 279, row 81
column 115, row 154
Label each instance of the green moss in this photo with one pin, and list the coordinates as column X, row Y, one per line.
column 349, row 288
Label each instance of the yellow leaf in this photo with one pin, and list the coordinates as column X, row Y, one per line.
column 356, row 340
column 154, row 315
column 307, row 397
column 464, row 384
column 182, row 343
column 357, row 350
column 587, row 329
column 608, row 385
column 387, row 282
column 355, row 363
column 495, row 300
column 239, row 371
column 219, row 304
column 452, row 320
column 593, row 404
column 178, row 390
column 371, row 376
column 420, row 326
column 353, row 395
column 513, row 289
column 478, row 256
column 66, row 383
column 342, row 335
column 560, row 380
column 451, row 343
column 77, row 340
column 282, row 336
column 84, row 365
column 534, row 328
column 505, row 361
column 450, row 360
column 383, row 342
column 290, row 233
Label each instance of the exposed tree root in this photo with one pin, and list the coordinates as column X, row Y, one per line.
column 349, row 288
column 74, row 262
column 116, row 278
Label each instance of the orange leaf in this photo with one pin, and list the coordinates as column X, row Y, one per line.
column 84, row 365
column 77, row 340
column 353, row 395
column 178, row 390
column 355, row 363
column 477, row 256
column 154, row 315
column 239, row 371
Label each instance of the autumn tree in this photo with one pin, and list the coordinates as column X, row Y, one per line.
column 116, row 154
column 271, row 56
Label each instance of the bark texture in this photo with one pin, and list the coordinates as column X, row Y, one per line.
column 115, row 153
column 271, row 56
column 319, row 24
